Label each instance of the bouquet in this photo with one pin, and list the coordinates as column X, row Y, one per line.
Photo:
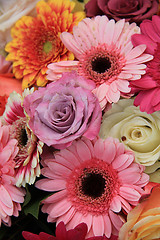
column 80, row 120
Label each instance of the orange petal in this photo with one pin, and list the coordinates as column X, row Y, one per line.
column 9, row 84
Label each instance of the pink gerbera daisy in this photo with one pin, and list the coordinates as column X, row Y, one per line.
column 10, row 195
column 148, row 87
column 94, row 182
column 27, row 160
column 106, row 56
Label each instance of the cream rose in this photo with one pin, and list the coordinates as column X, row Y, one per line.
column 10, row 12
column 139, row 131
column 143, row 222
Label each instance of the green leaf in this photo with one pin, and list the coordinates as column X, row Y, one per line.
column 27, row 197
column 33, row 200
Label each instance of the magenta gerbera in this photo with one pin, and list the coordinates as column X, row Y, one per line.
column 94, row 181
column 10, row 195
column 148, row 87
column 27, row 160
column 106, row 56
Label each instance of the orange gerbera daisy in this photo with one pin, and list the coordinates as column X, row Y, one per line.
column 36, row 41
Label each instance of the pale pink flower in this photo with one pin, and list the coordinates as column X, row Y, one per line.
column 106, row 56
column 94, row 181
column 10, row 195
column 27, row 166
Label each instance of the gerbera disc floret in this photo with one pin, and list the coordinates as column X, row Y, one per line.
column 95, row 180
column 36, row 41
column 106, row 56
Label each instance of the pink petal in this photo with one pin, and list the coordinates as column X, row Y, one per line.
column 99, row 148
column 140, row 99
column 118, row 30
column 115, row 204
column 147, row 28
column 70, row 157
column 120, row 149
column 17, row 194
column 55, row 197
column 112, row 96
column 62, row 160
column 122, row 161
column 156, row 23
column 51, row 185
column 109, row 152
column 143, row 180
column 88, row 220
column 103, row 21
column 142, row 39
column 76, row 219
column 5, row 197
column 59, row 169
column 70, row 43
column 67, row 217
column 60, row 208
column 107, row 226
column 109, row 32
column 125, row 205
column 129, row 175
column 101, row 91
column 98, row 225
column 115, row 220
column 129, row 193
column 83, row 151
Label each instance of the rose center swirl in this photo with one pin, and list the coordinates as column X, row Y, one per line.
column 92, row 186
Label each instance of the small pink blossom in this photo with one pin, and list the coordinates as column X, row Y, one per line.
column 10, row 195
column 64, row 111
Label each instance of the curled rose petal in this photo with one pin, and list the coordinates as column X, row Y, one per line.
column 63, row 111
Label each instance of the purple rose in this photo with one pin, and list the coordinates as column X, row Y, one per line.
column 131, row 10
column 63, row 111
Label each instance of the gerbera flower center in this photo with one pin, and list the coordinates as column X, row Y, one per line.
column 47, row 47
column 92, row 186
column 20, row 132
column 90, row 180
column 100, row 65
column 23, row 137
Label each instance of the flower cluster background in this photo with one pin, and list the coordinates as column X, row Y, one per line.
column 79, row 119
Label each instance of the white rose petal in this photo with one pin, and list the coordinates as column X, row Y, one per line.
column 139, row 131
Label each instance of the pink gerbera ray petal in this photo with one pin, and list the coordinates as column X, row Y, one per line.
column 13, row 108
column 94, row 192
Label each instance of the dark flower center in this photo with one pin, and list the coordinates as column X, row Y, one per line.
column 101, row 64
column 23, row 137
column 93, row 185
